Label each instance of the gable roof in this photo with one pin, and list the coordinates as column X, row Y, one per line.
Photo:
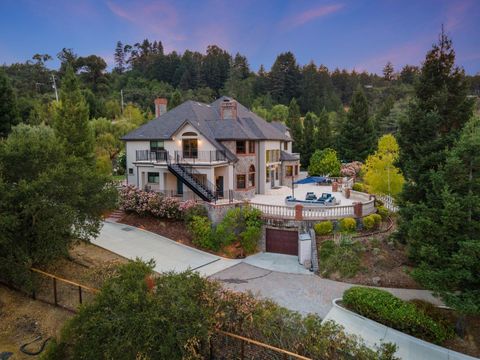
column 206, row 119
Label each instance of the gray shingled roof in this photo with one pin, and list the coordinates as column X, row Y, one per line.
column 284, row 156
column 206, row 119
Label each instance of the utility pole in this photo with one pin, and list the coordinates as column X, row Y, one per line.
column 121, row 99
column 55, row 87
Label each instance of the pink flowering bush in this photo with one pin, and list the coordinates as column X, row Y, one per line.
column 143, row 203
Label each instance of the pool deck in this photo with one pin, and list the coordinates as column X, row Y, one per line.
column 277, row 196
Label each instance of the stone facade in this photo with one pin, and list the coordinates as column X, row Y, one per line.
column 287, row 180
column 242, row 167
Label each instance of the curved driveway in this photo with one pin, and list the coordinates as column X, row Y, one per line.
column 300, row 291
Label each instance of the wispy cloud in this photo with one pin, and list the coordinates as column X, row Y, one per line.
column 310, row 15
column 411, row 52
column 456, row 14
column 152, row 18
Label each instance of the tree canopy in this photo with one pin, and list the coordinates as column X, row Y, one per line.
column 324, row 162
column 50, row 199
column 381, row 175
column 357, row 135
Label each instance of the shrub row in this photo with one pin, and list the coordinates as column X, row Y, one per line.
column 381, row 306
column 142, row 202
column 347, row 225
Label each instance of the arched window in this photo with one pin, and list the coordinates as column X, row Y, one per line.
column 189, row 133
column 251, row 176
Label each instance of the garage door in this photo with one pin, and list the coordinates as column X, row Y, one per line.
column 282, row 241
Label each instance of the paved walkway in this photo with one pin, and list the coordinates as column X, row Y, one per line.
column 277, row 262
column 132, row 242
column 299, row 292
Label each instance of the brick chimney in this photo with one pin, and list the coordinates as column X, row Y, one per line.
column 160, row 106
column 228, row 109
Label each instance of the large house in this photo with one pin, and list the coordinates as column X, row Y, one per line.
column 217, row 150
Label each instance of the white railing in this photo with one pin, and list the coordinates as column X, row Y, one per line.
column 275, row 211
column 334, row 212
column 388, row 202
column 314, row 213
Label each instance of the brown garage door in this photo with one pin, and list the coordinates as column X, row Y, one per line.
column 282, row 241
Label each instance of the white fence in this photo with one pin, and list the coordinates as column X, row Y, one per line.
column 309, row 213
column 388, row 202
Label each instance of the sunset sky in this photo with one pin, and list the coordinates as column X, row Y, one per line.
column 348, row 34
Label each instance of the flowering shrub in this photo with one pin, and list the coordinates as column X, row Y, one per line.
column 142, row 202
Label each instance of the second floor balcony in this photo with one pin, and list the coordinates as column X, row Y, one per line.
column 185, row 157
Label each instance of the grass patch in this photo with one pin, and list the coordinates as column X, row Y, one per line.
column 343, row 257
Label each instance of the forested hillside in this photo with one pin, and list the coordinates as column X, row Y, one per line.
column 312, row 99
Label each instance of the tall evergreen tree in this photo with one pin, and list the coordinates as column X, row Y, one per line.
column 284, row 78
column 294, row 123
column 409, row 74
column 443, row 236
column 71, row 122
column 8, row 105
column 310, row 89
column 119, row 58
column 435, row 118
column 357, row 137
column 309, row 123
column 388, row 71
column 216, row 67
column 323, row 133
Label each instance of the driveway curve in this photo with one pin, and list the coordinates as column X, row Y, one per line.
column 299, row 292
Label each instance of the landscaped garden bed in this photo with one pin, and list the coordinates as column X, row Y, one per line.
column 366, row 257
column 235, row 236
column 417, row 318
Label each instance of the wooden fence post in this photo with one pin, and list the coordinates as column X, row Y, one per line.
column 55, row 291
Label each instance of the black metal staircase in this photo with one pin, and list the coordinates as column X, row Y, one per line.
column 192, row 178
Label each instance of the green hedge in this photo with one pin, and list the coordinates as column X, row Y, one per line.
column 383, row 307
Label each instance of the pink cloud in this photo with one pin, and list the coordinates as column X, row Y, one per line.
column 456, row 14
column 412, row 52
column 155, row 19
column 310, row 15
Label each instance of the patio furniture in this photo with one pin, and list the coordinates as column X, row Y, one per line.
column 310, row 196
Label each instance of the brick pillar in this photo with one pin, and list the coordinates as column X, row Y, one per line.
column 347, row 193
column 298, row 212
column 358, row 209
column 334, row 186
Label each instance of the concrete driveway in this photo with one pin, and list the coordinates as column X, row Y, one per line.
column 300, row 292
column 132, row 242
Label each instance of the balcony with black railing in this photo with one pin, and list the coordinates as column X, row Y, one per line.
column 181, row 157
